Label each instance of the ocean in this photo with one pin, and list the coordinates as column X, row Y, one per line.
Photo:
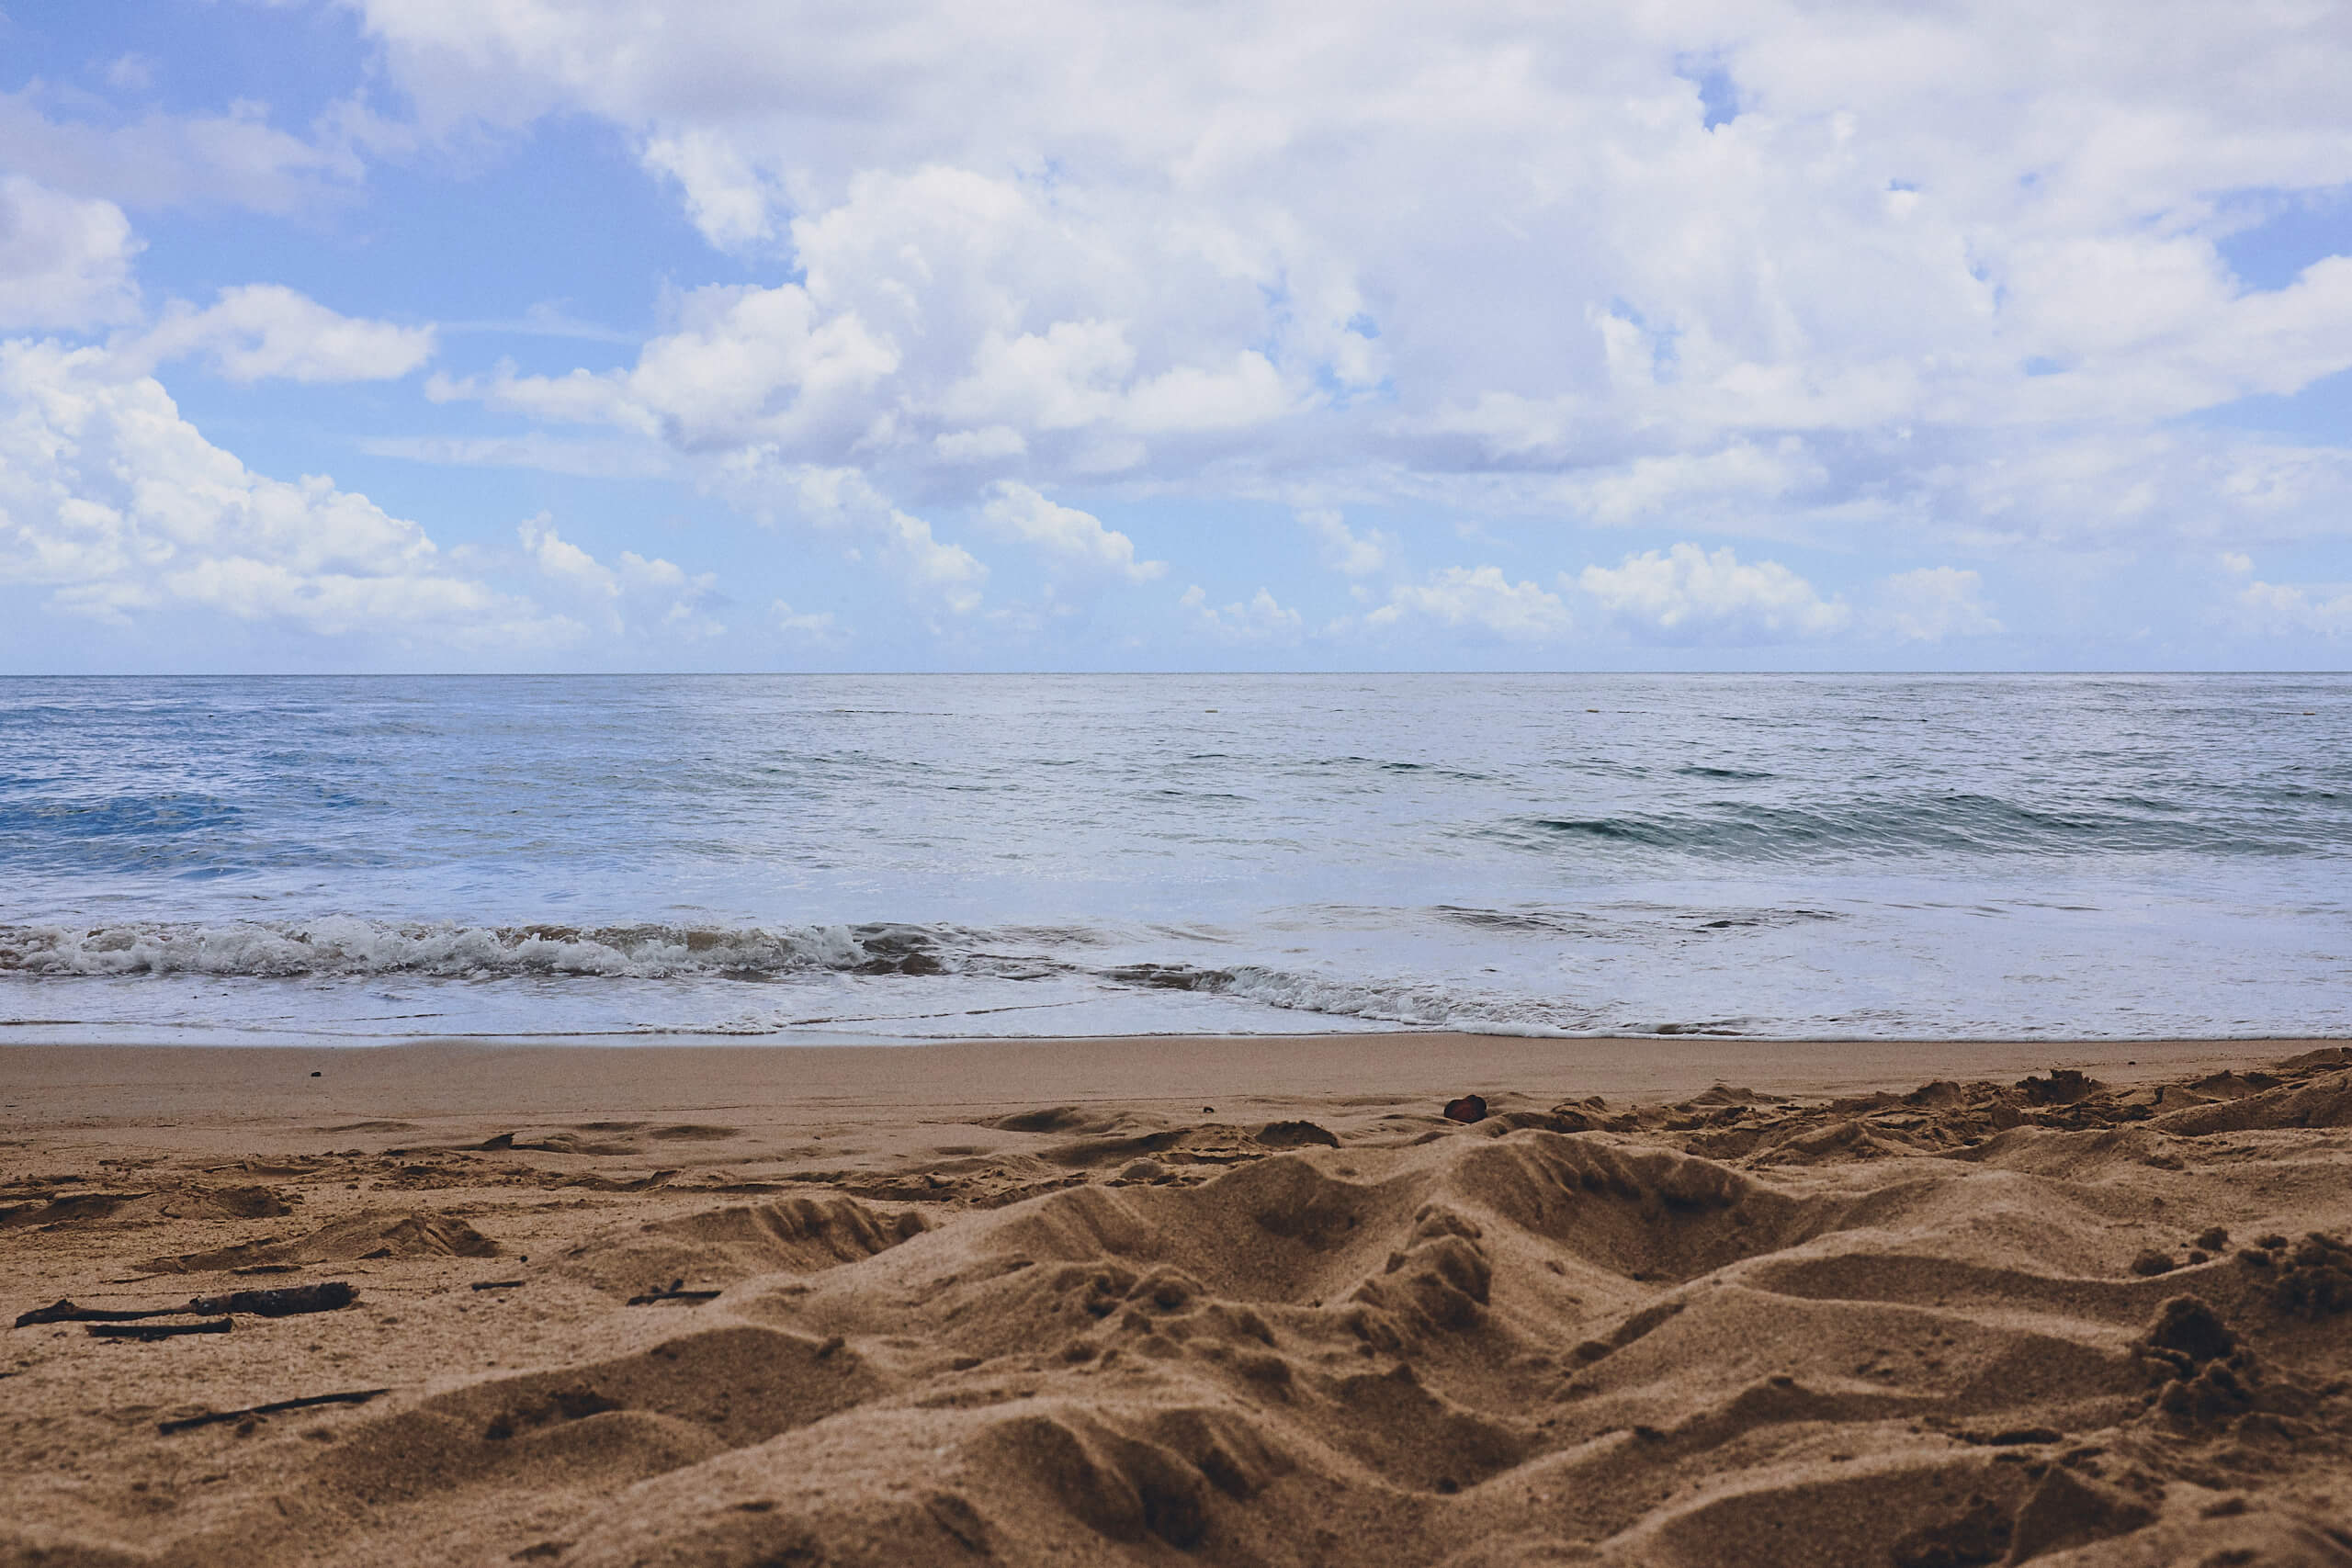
column 882, row 858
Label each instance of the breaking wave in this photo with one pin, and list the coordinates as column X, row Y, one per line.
column 350, row 946
column 352, row 949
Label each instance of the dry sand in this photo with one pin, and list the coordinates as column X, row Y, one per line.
column 1223, row 1302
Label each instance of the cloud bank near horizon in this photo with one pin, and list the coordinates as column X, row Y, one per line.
column 1141, row 334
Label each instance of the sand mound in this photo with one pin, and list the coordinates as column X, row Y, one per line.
column 1917, row 1330
column 87, row 1208
column 718, row 1247
column 363, row 1236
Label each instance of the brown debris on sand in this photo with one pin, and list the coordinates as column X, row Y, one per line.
column 1983, row 1320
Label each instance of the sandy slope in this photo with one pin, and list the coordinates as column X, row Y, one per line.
column 1978, row 1322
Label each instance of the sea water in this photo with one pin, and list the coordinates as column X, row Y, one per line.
column 909, row 857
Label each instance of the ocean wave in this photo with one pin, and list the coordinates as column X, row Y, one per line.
column 350, row 948
column 1956, row 824
column 1418, row 1007
column 343, row 945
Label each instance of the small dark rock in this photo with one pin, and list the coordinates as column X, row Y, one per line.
column 1469, row 1108
column 2151, row 1262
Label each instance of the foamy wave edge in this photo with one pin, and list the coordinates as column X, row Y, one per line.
column 347, row 945
column 354, row 948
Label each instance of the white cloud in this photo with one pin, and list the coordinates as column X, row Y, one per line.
column 725, row 197
column 812, row 627
column 1932, row 604
column 1257, row 619
column 1347, row 553
column 130, row 73
column 64, row 260
column 265, row 330
column 1074, row 543
column 1020, row 260
column 2285, row 609
column 1742, row 475
column 603, row 457
column 1479, row 599
column 235, row 158
column 1688, row 594
column 118, row 505
column 635, row 595
column 841, row 499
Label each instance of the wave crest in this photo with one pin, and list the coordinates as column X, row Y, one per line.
column 343, row 945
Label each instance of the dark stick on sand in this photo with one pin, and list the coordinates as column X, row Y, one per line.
column 288, row 1302
column 675, row 1292
column 159, row 1330
column 355, row 1396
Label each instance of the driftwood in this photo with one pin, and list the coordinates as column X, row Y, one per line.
column 159, row 1330
column 66, row 1312
column 495, row 1285
column 286, row 1302
column 356, row 1396
column 675, row 1292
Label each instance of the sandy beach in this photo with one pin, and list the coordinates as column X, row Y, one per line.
column 1683, row 1301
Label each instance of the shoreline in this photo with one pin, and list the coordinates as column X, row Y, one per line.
column 456, row 1077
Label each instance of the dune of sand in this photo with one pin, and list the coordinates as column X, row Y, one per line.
column 1999, row 1321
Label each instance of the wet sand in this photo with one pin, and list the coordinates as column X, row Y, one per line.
column 1249, row 1301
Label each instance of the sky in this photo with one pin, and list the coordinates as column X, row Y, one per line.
column 353, row 335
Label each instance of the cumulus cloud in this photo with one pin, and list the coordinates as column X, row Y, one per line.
column 115, row 504
column 2284, row 609
column 1932, row 604
column 1074, row 543
column 1689, row 594
column 843, row 500
column 1479, row 599
column 64, row 260
column 1887, row 280
column 1742, row 474
column 265, row 330
column 1260, row 618
column 634, row 595
column 947, row 319
column 1348, row 553
column 1911, row 264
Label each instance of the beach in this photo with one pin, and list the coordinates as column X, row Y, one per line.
column 1674, row 1300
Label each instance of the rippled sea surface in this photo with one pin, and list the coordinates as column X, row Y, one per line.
column 914, row 857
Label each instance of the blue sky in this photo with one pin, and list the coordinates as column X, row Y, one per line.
column 579, row 334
